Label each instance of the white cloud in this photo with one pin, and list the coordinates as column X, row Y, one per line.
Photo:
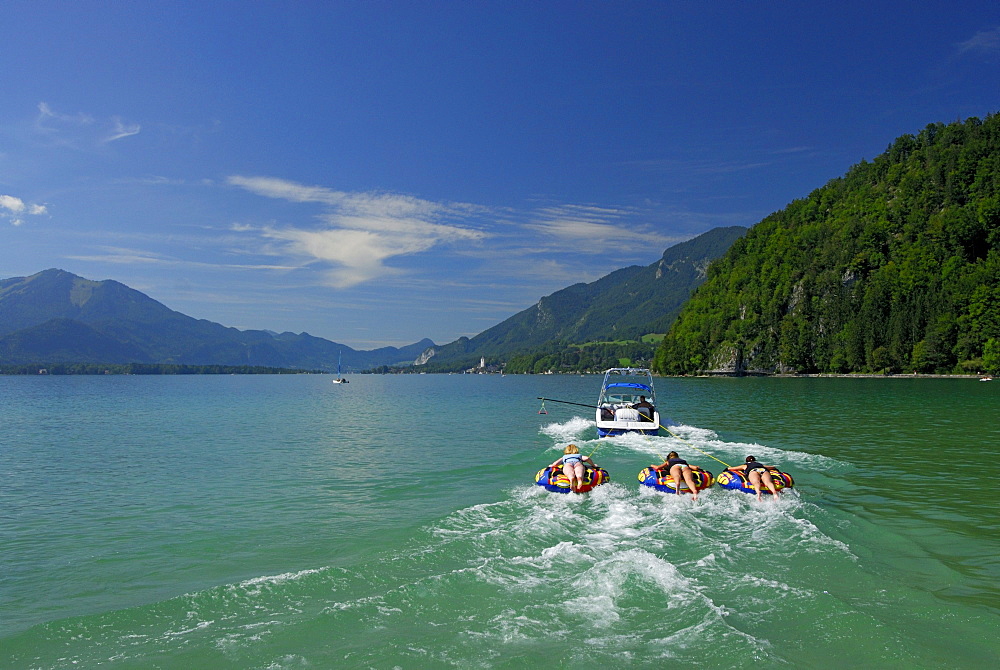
column 16, row 208
column 361, row 231
column 15, row 205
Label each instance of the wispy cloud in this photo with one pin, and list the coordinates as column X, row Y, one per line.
column 127, row 256
column 697, row 166
column 48, row 119
column 360, row 232
column 80, row 129
column 121, row 129
column 792, row 150
column 984, row 42
column 592, row 229
column 13, row 209
column 355, row 236
column 124, row 256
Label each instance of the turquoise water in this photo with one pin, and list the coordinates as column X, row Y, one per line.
column 286, row 522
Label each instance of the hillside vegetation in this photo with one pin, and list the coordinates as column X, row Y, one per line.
column 593, row 325
column 893, row 267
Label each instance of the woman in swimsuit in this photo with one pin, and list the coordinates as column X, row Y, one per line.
column 679, row 468
column 573, row 466
column 757, row 473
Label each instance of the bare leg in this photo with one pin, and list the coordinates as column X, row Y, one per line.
column 754, row 478
column 769, row 483
column 571, row 475
column 579, row 469
column 675, row 472
column 689, row 478
column 682, row 471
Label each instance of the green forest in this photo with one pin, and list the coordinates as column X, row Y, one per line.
column 892, row 268
column 557, row 356
column 591, row 357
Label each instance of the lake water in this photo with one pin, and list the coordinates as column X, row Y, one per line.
column 287, row 522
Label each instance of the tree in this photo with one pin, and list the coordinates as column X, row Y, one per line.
column 991, row 355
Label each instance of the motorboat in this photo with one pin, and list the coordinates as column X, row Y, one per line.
column 627, row 403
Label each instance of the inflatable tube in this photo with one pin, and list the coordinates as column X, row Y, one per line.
column 553, row 479
column 736, row 481
column 662, row 481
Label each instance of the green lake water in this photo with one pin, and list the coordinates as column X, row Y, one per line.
column 287, row 522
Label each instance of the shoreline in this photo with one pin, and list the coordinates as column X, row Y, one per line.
column 845, row 375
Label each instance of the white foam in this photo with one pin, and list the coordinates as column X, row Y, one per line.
column 568, row 431
column 276, row 579
column 605, row 583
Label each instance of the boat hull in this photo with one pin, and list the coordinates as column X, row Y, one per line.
column 614, row 428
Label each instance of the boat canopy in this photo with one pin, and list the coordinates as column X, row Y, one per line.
column 628, row 385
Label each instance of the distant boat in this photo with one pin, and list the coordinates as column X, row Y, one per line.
column 627, row 403
column 987, row 378
column 339, row 379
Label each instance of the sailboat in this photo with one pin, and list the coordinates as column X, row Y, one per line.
column 340, row 379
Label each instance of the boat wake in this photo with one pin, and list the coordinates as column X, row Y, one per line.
column 693, row 443
column 621, row 576
column 575, row 429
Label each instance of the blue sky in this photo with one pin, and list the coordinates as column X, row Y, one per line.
column 378, row 172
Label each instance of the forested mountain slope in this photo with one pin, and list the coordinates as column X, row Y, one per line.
column 624, row 304
column 894, row 267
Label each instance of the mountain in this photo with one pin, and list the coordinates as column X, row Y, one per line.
column 55, row 316
column 894, row 267
column 625, row 304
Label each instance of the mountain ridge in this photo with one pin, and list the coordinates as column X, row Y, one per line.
column 55, row 316
column 88, row 321
column 624, row 304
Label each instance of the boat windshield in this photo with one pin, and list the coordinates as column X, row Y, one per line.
column 626, row 385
